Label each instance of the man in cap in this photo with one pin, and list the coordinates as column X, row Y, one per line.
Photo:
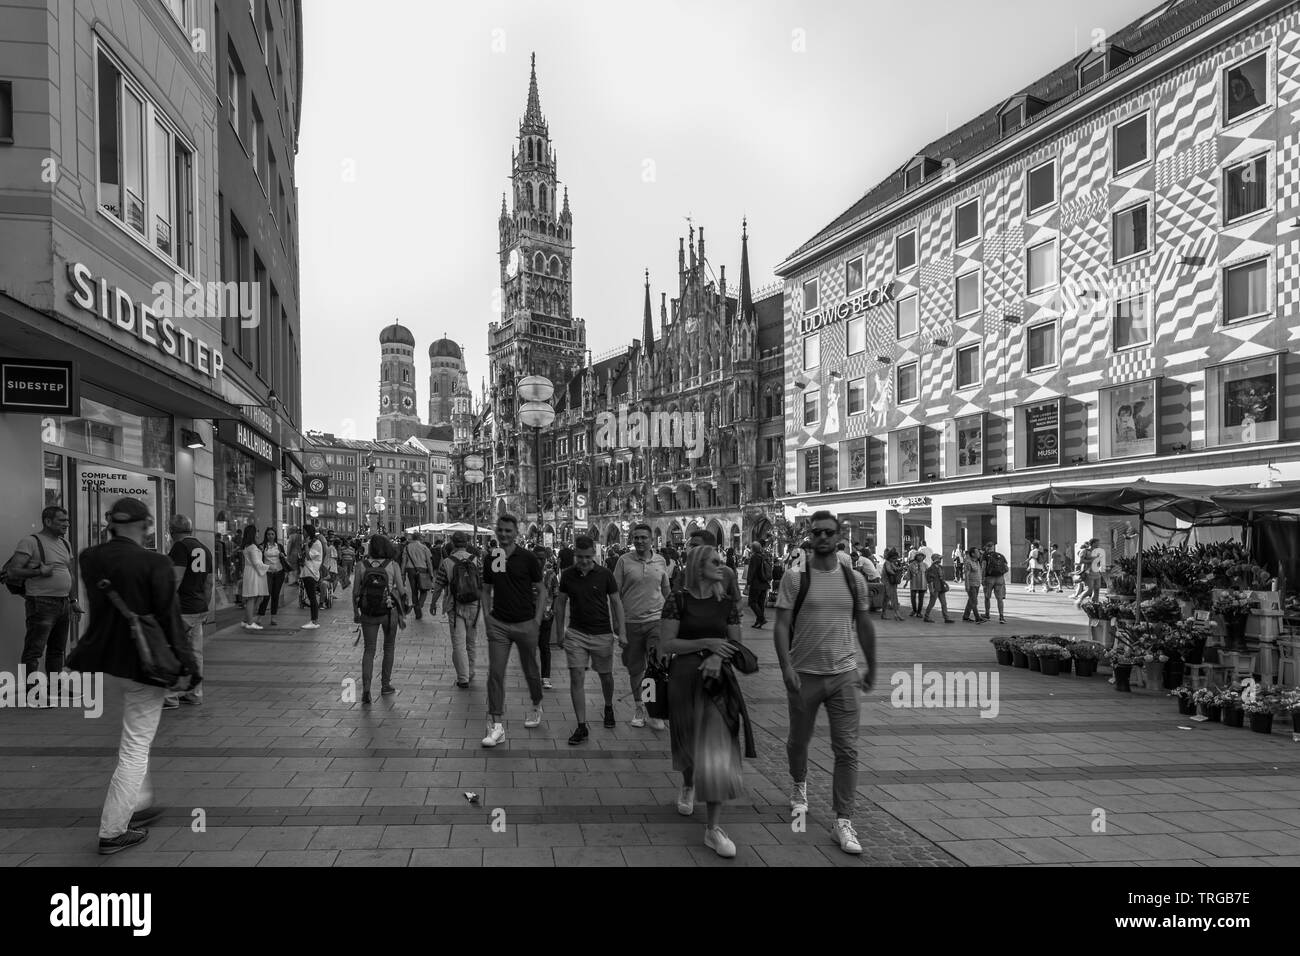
column 142, row 581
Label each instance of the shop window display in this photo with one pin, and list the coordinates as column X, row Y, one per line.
column 905, row 456
column 1242, row 402
column 1127, row 420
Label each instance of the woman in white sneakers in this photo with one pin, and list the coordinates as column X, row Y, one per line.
column 312, row 559
column 254, row 580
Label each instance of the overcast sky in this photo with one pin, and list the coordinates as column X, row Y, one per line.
column 783, row 112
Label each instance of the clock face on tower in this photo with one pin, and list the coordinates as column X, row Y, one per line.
column 386, row 401
column 512, row 263
column 408, row 403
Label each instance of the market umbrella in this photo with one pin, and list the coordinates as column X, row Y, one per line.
column 1122, row 498
column 1283, row 499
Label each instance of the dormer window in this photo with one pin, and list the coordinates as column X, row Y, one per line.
column 1097, row 63
column 918, row 171
column 1017, row 111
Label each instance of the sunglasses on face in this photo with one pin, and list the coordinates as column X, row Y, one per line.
column 823, row 532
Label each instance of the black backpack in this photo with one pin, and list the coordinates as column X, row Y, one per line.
column 374, row 599
column 466, row 582
column 995, row 565
column 805, row 582
column 17, row 587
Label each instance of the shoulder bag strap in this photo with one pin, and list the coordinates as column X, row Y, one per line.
column 853, row 591
column 116, row 599
column 805, row 582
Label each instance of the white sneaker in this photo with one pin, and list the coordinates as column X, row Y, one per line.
column 546, row 684
column 686, row 801
column 496, row 734
column 799, row 798
column 534, row 718
column 847, row 836
column 657, row 723
column 310, row 626
column 255, row 627
column 718, row 841
column 638, row 716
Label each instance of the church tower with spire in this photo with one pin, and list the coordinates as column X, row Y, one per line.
column 398, row 419
column 537, row 333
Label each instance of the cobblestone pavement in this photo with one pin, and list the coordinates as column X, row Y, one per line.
column 285, row 772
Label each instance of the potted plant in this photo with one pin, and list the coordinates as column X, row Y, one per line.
column 1230, row 707
column 1121, row 657
column 1161, row 610
column 1002, row 647
column 1188, row 637
column 1206, row 700
column 1085, row 655
column 1260, row 713
column 1183, row 696
column 1234, row 608
column 1049, row 656
column 1018, row 656
column 1031, row 651
column 1123, row 577
column 1290, row 704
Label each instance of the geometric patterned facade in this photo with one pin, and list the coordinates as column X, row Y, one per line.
column 1177, row 75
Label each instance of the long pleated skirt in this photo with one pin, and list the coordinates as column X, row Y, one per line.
column 704, row 749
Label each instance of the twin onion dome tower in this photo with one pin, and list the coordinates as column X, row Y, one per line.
column 449, row 395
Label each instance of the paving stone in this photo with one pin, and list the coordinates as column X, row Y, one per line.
column 299, row 858
column 391, row 857
column 518, row 856
column 463, row 856
column 346, row 838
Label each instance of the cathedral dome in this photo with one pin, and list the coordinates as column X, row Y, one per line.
column 445, row 348
column 397, row 333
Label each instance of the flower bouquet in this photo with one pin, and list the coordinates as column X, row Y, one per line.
column 1085, row 655
column 1234, row 608
column 1259, row 712
column 1184, row 694
column 1050, row 654
column 1206, row 700
column 1002, row 648
column 1289, row 703
column 1161, row 610
column 1230, row 705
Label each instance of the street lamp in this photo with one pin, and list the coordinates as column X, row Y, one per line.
column 474, row 475
column 536, row 412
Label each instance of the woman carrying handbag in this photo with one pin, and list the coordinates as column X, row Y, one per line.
column 277, row 562
column 254, row 579
column 701, row 629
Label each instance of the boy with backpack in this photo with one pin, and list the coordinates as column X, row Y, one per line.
column 995, row 581
column 459, row 575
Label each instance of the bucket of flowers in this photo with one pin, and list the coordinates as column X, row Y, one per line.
column 1183, row 695
column 1121, row 656
column 1230, row 707
column 1260, row 712
column 1019, row 656
column 1206, row 700
column 1002, row 647
column 1162, row 610
column 1290, row 704
column 1233, row 607
column 1050, row 654
column 1085, row 655
column 1189, row 637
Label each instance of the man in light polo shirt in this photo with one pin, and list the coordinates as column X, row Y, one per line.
column 816, row 625
column 589, row 591
column 512, row 590
column 642, row 579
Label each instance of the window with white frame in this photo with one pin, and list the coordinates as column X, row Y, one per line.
column 1040, row 266
column 968, row 294
column 1132, row 322
column 811, row 295
column 905, row 251
column 812, row 350
column 1040, row 186
column 854, row 275
column 256, row 147
column 1242, row 402
column 1245, row 87
column 1130, row 233
column 146, row 169
column 907, row 321
column 1040, row 346
column 1245, row 291
column 811, row 407
column 1129, row 144
column 1245, row 189
column 907, row 385
column 857, row 397
column 235, row 91
column 856, row 335
column 966, row 222
column 968, row 366
column 179, row 9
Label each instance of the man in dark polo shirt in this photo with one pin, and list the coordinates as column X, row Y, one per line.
column 192, row 566
column 589, row 591
column 512, row 591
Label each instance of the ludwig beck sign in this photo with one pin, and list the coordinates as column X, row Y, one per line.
column 870, row 299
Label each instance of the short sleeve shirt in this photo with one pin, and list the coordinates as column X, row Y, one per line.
column 190, row 554
column 588, row 596
column 512, row 578
column 57, row 555
column 824, row 637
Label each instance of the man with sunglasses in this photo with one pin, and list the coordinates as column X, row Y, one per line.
column 512, row 591
column 589, row 592
column 820, row 611
column 642, row 579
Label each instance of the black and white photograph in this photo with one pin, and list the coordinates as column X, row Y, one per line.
column 502, row 435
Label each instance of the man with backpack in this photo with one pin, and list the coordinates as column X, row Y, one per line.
column 995, row 580
column 417, row 562
column 41, row 572
column 642, row 579
column 758, row 579
column 379, row 599
column 459, row 576
column 821, row 610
